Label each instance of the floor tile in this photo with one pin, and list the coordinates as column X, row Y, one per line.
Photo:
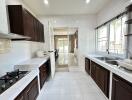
column 70, row 86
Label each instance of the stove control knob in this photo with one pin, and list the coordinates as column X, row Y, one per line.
column 17, row 77
column 3, row 86
column 11, row 81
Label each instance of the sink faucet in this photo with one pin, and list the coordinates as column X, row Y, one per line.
column 107, row 50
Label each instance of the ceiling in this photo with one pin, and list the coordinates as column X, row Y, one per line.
column 66, row 7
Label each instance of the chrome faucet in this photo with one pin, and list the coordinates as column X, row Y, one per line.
column 107, row 50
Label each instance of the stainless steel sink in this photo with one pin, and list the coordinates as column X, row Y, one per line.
column 104, row 58
column 112, row 62
column 109, row 60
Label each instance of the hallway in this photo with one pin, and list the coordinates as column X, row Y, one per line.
column 66, row 62
column 73, row 85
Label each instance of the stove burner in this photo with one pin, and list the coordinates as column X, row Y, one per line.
column 10, row 78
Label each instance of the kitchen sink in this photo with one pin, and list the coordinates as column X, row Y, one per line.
column 112, row 62
column 109, row 60
column 104, row 58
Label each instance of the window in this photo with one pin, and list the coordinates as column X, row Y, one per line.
column 111, row 37
column 102, row 38
column 117, row 39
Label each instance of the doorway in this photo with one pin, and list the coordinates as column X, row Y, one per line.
column 62, row 45
column 66, row 44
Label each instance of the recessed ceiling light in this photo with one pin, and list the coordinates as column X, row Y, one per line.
column 87, row 1
column 46, row 2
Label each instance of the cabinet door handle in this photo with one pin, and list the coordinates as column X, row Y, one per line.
column 116, row 79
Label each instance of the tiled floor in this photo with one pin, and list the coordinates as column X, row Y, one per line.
column 73, row 85
column 66, row 62
column 67, row 59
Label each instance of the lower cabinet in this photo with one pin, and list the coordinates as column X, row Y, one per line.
column 87, row 65
column 30, row 92
column 44, row 72
column 101, row 76
column 93, row 70
column 121, row 89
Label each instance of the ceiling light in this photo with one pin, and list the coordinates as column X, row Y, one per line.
column 87, row 1
column 130, row 0
column 46, row 2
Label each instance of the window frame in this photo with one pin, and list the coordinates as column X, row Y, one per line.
column 108, row 40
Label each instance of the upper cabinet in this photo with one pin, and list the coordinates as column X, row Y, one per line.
column 22, row 22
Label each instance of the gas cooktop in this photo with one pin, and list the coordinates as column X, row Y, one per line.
column 10, row 79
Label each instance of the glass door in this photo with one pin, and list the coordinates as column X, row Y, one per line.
column 62, row 46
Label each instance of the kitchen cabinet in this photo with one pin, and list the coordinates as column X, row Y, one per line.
column 22, row 22
column 87, row 65
column 121, row 89
column 101, row 76
column 93, row 70
column 30, row 92
column 44, row 72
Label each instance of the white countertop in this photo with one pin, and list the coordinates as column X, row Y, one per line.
column 127, row 75
column 16, row 89
column 31, row 64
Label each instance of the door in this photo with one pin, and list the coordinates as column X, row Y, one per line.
column 102, row 79
column 121, row 89
column 87, row 65
column 62, row 46
column 93, row 70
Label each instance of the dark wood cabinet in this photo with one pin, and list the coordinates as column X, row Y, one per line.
column 28, row 24
column 87, row 65
column 44, row 72
column 121, row 89
column 21, row 96
column 93, row 70
column 101, row 77
column 30, row 92
column 22, row 22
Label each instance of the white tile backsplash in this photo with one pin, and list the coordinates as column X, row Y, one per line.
column 5, row 45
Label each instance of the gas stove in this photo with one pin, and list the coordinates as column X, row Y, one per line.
column 10, row 79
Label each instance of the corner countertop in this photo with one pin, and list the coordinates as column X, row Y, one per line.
column 127, row 75
column 17, row 88
column 31, row 64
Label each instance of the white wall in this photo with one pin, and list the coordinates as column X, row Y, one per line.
column 19, row 52
column 112, row 9
column 3, row 17
column 85, row 24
